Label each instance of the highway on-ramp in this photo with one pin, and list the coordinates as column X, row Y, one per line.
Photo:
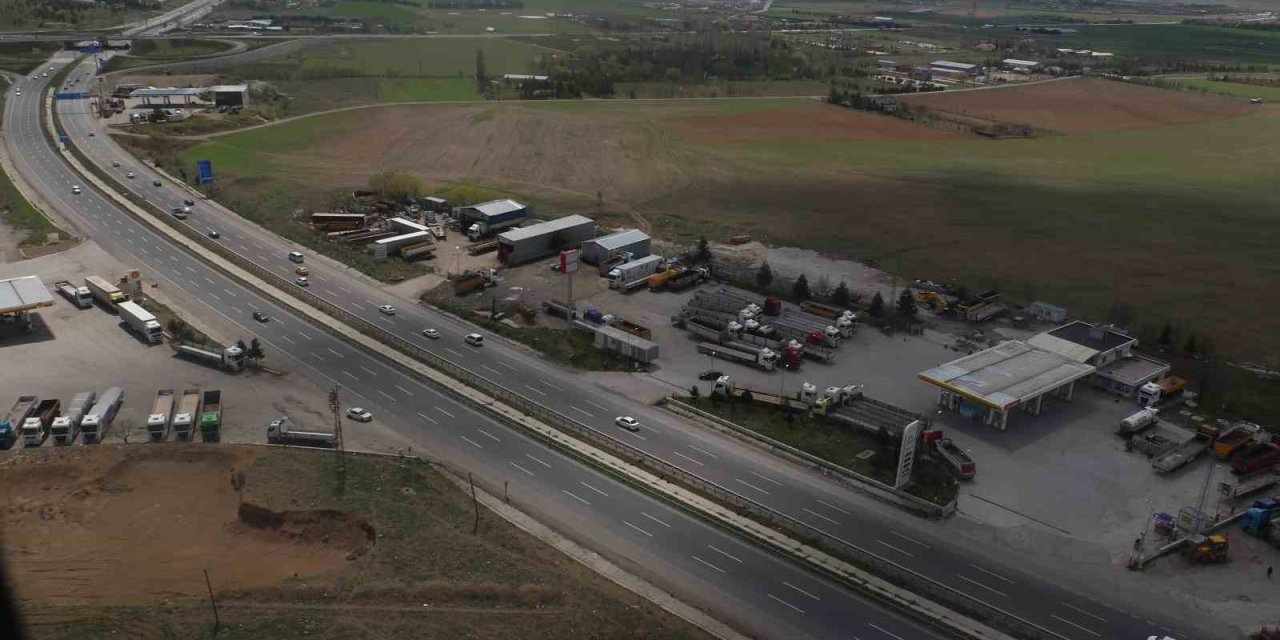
column 705, row 566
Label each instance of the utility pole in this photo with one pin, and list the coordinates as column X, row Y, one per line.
column 339, row 449
column 475, row 528
column 217, row 623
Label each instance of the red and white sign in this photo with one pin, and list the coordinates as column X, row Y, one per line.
column 569, row 261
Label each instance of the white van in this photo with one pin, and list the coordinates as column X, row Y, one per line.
column 474, row 339
column 295, row 256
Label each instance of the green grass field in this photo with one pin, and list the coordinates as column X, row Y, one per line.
column 1139, row 217
column 1230, row 89
column 383, row 17
column 418, row 58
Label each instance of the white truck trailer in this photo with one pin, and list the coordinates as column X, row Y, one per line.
column 141, row 321
column 158, row 419
column 634, row 274
column 230, row 358
column 187, row 415
column 67, row 426
column 95, row 423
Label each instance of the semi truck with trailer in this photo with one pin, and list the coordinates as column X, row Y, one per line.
column 95, row 423
column 18, row 414
column 187, row 414
column 687, row 278
column 764, row 359
column 141, row 321
column 474, row 280
column 1234, row 440
column 105, row 292
column 284, row 431
column 35, row 429
column 231, row 358
column 211, row 416
column 632, row 275
column 79, row 296
column 67, row 426
column 158, row 419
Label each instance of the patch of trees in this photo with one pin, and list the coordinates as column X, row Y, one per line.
column 697, row 58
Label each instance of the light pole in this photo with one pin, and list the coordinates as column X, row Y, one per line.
column 457, row 260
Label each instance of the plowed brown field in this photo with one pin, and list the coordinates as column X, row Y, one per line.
column 1082, row 105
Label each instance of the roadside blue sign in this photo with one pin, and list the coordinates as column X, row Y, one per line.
column 204, row 171
column 64, row 138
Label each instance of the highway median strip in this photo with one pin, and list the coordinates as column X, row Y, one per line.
column 466, row 385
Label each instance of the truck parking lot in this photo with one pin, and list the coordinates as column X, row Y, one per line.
column 74, row 350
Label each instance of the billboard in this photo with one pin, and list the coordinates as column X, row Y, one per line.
column 907, row 455
column 204, row 171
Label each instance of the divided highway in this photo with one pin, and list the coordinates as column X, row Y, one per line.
column 752, row 473
column 700, row 564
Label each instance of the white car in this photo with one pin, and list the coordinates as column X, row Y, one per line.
column 130, row 175
column 474, row 339
column 431, row 333
column 303, row 282
column 387, row 310
column 359, row 415
column 75, row 188
column 627, row 422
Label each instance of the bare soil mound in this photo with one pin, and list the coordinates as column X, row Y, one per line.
column 339, row 529
column 805, row 123
column 123, row 525
column 1082, row 105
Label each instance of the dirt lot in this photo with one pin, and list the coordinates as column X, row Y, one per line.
column 1082, row 105
column 113, row 540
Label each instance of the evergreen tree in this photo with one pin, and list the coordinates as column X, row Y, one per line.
column 764, row 276
column 1166, row 336
column 906, row 304
column 482, row 77
column 841, row 297
column 1189, row 347
column 800, row 290
column 704, row 250
column 877, row 306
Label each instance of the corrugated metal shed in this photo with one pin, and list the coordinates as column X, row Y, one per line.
column 23, row 294
column 1007, row 374
column 552, row 226
column 605, row 247
column 496, row 207
column 619, row 341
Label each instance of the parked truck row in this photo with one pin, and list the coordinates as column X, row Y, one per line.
column 32, row 420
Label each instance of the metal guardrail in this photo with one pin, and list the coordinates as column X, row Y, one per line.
column 915, row 503
column 881, row 566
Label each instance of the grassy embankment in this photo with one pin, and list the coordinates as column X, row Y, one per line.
column 843, row 445
column 1238, row 90
column 428, row 576
column 145, row 52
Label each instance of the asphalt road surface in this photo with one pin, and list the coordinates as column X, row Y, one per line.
column 713, row 570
